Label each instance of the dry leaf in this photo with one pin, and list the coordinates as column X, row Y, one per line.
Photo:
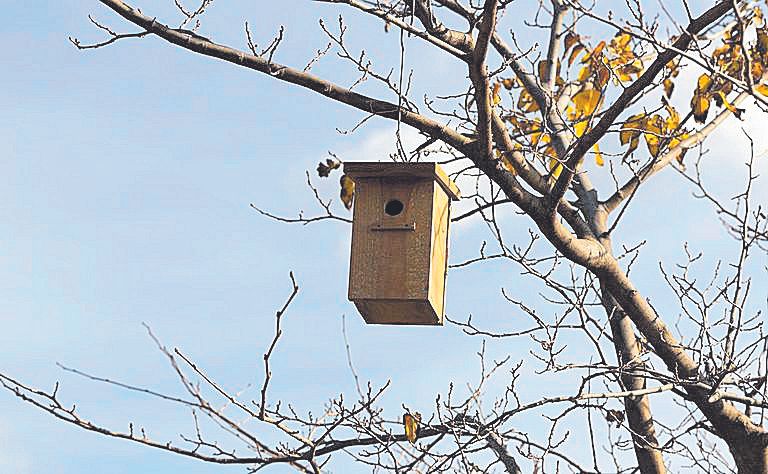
column 347, row 190
column 598, row 156
column 495, row 97
column 526, row 103
column 555, row 167
column 700, row 106
column 411, row 423
column 724, row 102
column 324, row 169
column 762, row 89
column 571, row 39
column 653, row 131
column 575, row 52
column 586, row 102
column 595, row 53
column 669, row 86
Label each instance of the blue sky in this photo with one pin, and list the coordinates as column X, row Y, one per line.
column 127, row 178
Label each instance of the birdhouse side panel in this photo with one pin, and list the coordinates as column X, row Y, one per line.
column 391, row 241
column 439, row 255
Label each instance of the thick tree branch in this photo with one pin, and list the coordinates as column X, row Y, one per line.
column 479, row 74
column 496, row 443
column 553, row 50
column 638, row 407
column 457, row 39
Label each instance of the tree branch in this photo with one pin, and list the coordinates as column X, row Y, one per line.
column 378, row 12
column 479, row 74
column 609, row 117
column 553, row 50
column 630, row 187
column 284, row 73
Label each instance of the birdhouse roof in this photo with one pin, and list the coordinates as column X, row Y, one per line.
column 361, row 169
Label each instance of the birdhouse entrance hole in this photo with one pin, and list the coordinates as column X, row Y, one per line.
column 399, row 257
column 393, row 207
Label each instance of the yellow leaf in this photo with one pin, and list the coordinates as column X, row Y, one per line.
column 673, row 121
column 631, row 128
column 762, row 89
column 411, row 423
column 347, row 190
column 729, row 106
column 500, row 155
column 580, row 127
column 673, row 68
column 653, row 130
column 594, row 53
column 586, row 102
column 507, row 164
column 702, row 85
column 669, row 86
column 514, row 121
column 555, row 167
column 700, row 100
column 584, row 73
column 495, row 97
column 680, row 157
column 721, row 51
column 598, row 155
column 575, row 52
column 625, row 72
column 700, row 106
column 620, row 41
column 625, row 68
column 509, row 83
column 526, row 103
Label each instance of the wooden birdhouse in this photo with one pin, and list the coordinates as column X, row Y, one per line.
column 400, row 241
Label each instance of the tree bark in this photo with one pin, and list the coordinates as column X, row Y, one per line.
column 750, row 460
column 638, row 409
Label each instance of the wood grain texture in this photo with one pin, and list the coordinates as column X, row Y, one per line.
column 402, row 312
column 364, row 169
column 398, row 262
column 439, row 260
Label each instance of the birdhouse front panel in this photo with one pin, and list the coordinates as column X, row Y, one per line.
column 389, row 236
column 399, row 242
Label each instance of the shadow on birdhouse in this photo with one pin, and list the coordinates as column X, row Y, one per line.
column 399, row 255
